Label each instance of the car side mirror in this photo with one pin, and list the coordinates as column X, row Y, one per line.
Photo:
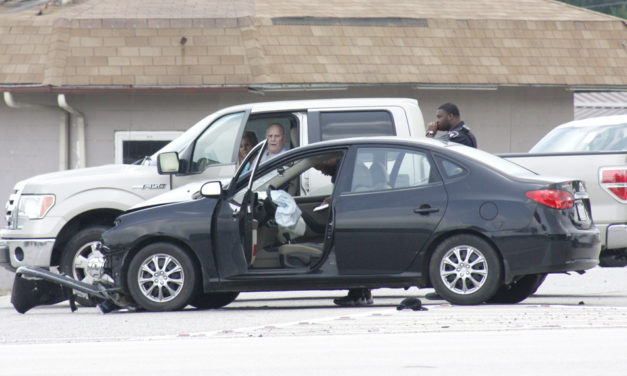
column 211, row 189
column 168, row 163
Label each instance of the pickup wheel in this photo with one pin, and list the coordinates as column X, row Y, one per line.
column 162, row 277
column 214, row 299
column 75, row 259
column 465, row 270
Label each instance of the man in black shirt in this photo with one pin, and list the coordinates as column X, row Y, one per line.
column 447, row 119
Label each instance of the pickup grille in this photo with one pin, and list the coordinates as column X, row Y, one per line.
column 11, row 209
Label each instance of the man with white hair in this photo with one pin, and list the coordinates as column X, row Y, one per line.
column 275, row 136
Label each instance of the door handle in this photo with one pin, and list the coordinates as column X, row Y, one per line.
column 426, row 209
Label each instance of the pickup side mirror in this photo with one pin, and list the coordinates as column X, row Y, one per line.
column 168, row 163
column 211, row 189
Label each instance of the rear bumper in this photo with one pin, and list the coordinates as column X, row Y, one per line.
column 25, row 252
column 576, row 251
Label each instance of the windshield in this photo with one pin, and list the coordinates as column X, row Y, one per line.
column 502, row 165
column 179, row 143
column 592, row 138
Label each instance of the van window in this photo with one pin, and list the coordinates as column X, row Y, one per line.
column 344, row 124
column 217, row 143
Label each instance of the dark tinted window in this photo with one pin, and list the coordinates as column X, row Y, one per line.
column 133, row 150
column 334, row 125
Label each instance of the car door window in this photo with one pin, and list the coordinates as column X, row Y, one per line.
column 286, row 176
column 217, row 143
column 386, row 168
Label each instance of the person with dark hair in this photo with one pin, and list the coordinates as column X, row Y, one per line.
column 249, row 140
column 447, row 119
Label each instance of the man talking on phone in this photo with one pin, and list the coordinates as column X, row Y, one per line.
column 447, row 119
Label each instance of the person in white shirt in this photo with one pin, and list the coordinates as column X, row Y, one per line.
column 275, row 136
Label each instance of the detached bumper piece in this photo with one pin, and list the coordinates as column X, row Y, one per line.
column 35, row 286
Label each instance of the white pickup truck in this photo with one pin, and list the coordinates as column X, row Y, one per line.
column 56, row 219
column 595, row 151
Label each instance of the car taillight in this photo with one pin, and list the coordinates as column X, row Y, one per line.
column 553, row 198
column 614, row 181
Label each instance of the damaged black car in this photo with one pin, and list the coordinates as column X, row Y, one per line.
column 352, row 213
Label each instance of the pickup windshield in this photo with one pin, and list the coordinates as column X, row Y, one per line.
column 592, row 138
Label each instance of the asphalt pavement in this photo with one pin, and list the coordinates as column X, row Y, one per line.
column 575, row 325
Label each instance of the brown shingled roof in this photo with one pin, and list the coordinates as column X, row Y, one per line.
column 131, row 43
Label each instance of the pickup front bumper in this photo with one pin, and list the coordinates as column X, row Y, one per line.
column 25, row 252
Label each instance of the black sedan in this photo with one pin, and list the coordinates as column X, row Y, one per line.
column 401, row 213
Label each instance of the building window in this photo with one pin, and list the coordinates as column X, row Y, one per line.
column 134, row 145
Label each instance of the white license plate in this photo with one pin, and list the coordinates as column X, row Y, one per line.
column 581, row 211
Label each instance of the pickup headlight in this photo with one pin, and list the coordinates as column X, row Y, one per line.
column 35, row 206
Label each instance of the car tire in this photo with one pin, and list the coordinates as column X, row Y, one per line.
column 519, row 290
column 214, row 299
column 162, row 277
column 75, row 255
column 465, row 269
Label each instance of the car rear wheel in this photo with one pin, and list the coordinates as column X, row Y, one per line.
column 162, row 277
column 82, row 260
column 519, row 290
column 214, row 299
column 465, row 270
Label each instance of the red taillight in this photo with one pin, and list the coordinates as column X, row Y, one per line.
column 614, row 180
column 552, row 198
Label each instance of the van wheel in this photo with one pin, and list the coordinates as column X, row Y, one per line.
column 465, row 270
column 162, row 277
column 75, row 258
column 214, row 299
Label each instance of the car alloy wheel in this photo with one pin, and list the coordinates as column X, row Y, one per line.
column 465, row 269
column 162, row 277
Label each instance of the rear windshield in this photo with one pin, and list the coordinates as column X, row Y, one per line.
column 497, row 163
column 596, row 138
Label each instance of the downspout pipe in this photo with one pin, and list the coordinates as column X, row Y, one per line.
column 80, row 129
column 64, row 131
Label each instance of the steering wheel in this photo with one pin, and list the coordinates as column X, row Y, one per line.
column 266, row 208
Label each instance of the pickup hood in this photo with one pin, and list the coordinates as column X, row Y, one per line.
column 141, row 181
column 184, row 193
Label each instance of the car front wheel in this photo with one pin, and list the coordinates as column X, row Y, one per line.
column 162, row 277
column 465, row 270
